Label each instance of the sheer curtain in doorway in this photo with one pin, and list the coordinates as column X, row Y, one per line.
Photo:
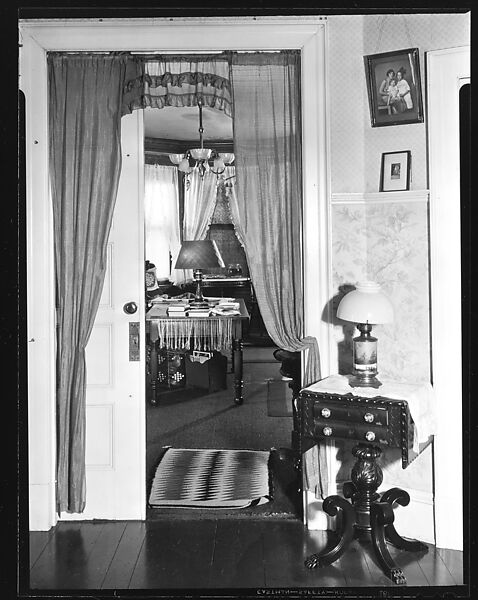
column 267, row 203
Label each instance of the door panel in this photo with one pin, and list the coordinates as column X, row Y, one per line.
column 115, row 396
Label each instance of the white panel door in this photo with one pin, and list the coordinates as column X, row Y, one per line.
column 115, row 397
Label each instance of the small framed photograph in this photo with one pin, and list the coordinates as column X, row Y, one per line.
column 394, row 87
column 395, row 172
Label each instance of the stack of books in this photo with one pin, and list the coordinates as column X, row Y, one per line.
column 199, row 311
column 232, row 304
column 178, row 310
column 227, row 309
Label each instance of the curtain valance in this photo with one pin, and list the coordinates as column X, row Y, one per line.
column 180, row 80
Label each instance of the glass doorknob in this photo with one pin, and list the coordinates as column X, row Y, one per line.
column 130, row 308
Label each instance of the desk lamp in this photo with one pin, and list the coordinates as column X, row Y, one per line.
column 367, row 305
column 198, row 255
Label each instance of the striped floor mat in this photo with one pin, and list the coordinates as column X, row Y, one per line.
column 203, row 478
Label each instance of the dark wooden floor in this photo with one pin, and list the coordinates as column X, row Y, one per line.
column 214, row 554
column 222, row 554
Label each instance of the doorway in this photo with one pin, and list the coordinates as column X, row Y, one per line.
column 191, row 405
column 194, row 34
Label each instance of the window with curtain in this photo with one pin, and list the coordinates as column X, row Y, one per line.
column 161, row 210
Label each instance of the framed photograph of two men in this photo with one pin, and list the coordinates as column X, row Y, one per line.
column 394, row 87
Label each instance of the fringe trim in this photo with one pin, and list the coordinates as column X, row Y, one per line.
column 207, row 335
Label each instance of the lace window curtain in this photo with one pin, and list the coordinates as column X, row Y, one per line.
column 179, row 80
column 86, row 101
column 161, row 212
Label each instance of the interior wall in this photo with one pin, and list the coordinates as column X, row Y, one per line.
column 382, row 236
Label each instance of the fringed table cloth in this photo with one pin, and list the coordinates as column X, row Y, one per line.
column 205, row 334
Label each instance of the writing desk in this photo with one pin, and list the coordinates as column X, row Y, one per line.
column 198, row 333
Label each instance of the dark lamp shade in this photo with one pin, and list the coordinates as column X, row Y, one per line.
column 200, row 254
column 366, row 304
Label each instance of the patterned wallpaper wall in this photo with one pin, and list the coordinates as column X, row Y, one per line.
column 356, row 147
column 384, row 241
column 387, row 243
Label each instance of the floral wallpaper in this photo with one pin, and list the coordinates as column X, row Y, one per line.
column 387, row 243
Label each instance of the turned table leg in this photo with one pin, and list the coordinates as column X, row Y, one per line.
column 153, row 371
column 237, row 346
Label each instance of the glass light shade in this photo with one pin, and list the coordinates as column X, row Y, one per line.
column 219, row 164
column 200, row 153
column 227, row 157
column 199, row 254
column 176, row 158
column 366, row 304
column 184, row 166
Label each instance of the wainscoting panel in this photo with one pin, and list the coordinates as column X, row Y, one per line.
column 99, row 436
column 106, row 300
column 99, row 364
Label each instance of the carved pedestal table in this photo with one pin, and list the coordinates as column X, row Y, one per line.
column 374, row 421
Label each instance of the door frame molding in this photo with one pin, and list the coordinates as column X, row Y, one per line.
column 37, row 37
column 447, row 70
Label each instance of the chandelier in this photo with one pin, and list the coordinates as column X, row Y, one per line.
column 201, row 158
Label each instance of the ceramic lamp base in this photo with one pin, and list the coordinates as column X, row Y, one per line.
column 365, row 380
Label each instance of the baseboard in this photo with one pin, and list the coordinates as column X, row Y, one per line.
column 42, row 516
column 314, row 517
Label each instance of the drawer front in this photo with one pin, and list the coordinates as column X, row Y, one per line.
column 351, row 431
column 343, row 416
column 343, row 411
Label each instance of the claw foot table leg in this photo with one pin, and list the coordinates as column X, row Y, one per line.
column 332, row 504
column 381, row 516
column 401, row 497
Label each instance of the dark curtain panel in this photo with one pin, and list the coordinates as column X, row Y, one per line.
column 86, row 94
column 267, row 205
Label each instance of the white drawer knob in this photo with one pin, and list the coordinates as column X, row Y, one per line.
column 368, row 417
column 327, row 431
column 325, row 412
column 370, row 436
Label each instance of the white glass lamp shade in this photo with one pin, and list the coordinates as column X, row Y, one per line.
column 227, row 157
column 219, row 164
column 184, row 166
column 176, row 158
column 366, row 304
column 200, row 153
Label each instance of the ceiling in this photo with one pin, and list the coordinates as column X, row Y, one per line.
column 177, row 123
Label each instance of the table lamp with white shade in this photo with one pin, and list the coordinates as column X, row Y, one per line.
column 367, row 305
